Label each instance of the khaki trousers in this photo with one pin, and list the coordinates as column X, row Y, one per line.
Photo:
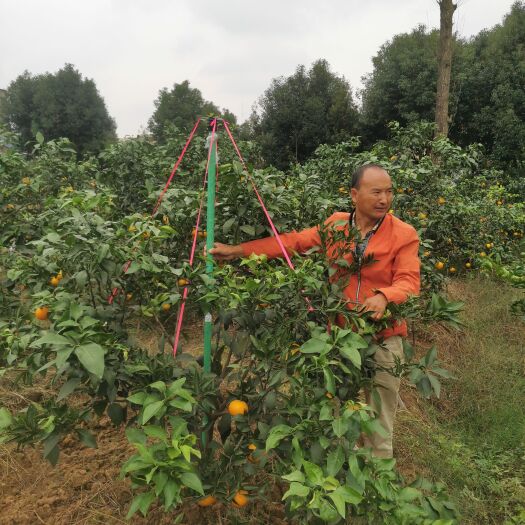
column 386, row 387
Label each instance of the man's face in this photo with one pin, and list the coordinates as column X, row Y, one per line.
column 374, row 196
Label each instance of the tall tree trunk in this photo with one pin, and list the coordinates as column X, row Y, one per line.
column 446, row 9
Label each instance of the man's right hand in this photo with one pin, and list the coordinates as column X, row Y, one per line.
column 226, row 252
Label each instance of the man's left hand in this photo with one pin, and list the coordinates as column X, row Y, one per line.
column 377, row 304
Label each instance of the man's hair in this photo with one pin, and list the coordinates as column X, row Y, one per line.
column 359, row 172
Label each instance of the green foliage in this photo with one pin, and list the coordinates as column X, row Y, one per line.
column 181, row 107
column 302, row 111
column 58, row 105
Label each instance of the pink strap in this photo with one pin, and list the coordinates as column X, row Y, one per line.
column 272, row 226
column 180, row 313
column 126, row 266
column 181, row 156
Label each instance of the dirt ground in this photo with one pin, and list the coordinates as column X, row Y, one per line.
column 84, row 487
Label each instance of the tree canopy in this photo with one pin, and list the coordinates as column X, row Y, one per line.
column 487, row 92
column 298, row 113
column 61, row 104
column 180, row 107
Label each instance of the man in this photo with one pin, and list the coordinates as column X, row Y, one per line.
column 392, row 277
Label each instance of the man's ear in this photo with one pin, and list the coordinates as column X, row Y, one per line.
column 353, row 193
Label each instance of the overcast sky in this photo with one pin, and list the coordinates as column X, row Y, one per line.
column 230, row 50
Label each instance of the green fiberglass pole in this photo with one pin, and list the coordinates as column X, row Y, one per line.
column 210, row 226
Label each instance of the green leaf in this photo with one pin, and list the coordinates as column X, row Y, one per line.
column 138, row 398
column 159, row 385
column 335, row 461
column 156, row 432
column 5, row 418
column 340, row 426
column 192, row 481
column 39, row 137
column 315, row 346
column 52, row 338
column 348, row 495
column 151, row 410
column 116, row 413
column 314, row 473
column 91, row 355
column 87, row 438
column 248, row 228
column 296, row 475
column 51, row 450
column 135, row 435
column 329, row 380
column 352, row 354
column 171, row 490
column 276, row 435
column 296, row 489
column 339, row 503
column 68, row 387
column 436, row 385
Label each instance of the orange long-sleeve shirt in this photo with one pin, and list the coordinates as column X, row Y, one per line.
column 395, row 272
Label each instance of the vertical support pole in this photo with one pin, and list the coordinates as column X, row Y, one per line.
column 210, row 226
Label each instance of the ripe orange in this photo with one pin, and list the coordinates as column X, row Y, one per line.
column 426, row 254
column 422, row 215
column 183, row 282
column 489, row 245
column 240, row 499
column 499, row 203
column 237, row 407
column 252, row 446
column 26, row 181
column 452, row 269
column 207, row 501
column 441, row 201
column 54, row 281
column 482, row 254
column 439, row 265
column 468, row 265
column 165, row 219
column 329, row 395
column 41, row 313
column 146, row 235
column 129, row 296
column 400, row 190
column 202, row 234
column 391, row 211
column 166, row 306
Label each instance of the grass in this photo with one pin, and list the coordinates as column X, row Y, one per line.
column 473, row 439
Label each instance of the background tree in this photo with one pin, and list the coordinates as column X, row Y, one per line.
column 402, row 85
column 62, row 104
column 491, row 109
column 446, row 11
column 181, row 106
column 298, row 113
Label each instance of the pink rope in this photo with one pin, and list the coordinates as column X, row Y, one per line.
column 126, row 266
column 272, row 226
column 180, row 313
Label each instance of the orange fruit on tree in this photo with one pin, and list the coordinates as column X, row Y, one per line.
column 183, row 282
column 237, row 407
column 441, row 201
column 54, row 281
column 482, row 254
column 207, row 501
column 439, row 265
column 452, row 269
column 41, row 313
column 165, row 219
column 426, row 253
column 252, row 446
column 468, row 265
column 166, row 306
column 240, row 499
